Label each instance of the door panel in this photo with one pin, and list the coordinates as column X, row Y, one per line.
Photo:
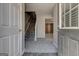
column 5, row 14
column 5, row 45
column 73, row 46
column 4, row 28
column 65, row 46
column 1, row 45
column 0, row 13
column 12, row 46
column 16, row 41
column 60, row 43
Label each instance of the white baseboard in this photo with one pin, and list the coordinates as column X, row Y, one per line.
column 35, row 39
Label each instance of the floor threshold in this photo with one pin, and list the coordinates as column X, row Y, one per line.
column 40, row 54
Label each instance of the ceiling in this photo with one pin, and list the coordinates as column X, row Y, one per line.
column 40, row 8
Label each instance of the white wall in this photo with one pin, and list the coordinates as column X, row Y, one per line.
column 55, row 17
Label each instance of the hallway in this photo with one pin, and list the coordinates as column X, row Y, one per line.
column 38, row 41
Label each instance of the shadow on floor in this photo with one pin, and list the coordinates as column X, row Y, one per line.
column 40, row 54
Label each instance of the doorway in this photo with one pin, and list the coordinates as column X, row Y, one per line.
column 42, row 45
column 49, row 29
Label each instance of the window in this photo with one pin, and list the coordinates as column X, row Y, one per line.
column 68, row 16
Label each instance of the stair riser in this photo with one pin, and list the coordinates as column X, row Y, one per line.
column 30, row 36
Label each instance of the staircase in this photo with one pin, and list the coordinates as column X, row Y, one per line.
column 30, row 26
column 30, row 36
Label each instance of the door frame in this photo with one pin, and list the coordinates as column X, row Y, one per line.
column 22, row 28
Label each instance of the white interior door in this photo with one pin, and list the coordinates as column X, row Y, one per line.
column 10, row 29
